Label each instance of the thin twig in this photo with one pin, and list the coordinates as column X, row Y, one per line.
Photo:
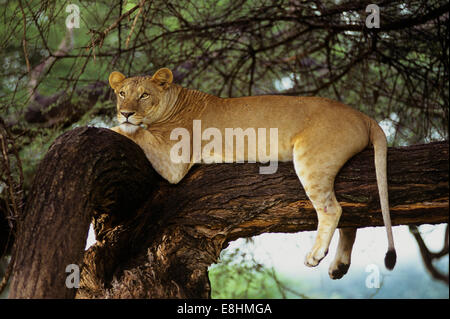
column 24, row 38
column 102, row 35
column 141, row 6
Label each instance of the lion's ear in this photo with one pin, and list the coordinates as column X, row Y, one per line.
column 163, row 77
column 115, row 78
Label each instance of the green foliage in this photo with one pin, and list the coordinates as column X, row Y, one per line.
column 239, row 275
column 238, row 282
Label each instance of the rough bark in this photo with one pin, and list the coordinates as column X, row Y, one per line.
column 80, row 177
column 156, row 240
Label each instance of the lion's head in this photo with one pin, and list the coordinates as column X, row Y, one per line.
column 139, row 98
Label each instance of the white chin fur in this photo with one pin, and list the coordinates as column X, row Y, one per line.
column 128, row 128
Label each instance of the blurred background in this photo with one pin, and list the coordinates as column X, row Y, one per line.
column 56, row 57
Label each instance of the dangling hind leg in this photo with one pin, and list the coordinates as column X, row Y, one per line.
column 341, row 262
column 318, row 157
column 317, row 172
column 328, row 214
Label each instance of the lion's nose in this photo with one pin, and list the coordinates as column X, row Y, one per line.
column 127, row 114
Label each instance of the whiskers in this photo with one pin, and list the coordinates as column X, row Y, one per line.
column 131, row 124
column 128, row 128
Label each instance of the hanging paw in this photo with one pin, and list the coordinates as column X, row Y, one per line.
column 338, row 270
column 315, row 256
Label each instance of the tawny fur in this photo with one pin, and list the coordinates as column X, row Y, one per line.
column 319, row 135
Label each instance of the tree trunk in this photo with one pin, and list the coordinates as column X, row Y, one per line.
column 85, row 173
column 156, row 240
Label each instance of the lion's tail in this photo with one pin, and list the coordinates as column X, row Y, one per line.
column 379, row 142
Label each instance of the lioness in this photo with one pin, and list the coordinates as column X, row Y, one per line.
column 319, row 135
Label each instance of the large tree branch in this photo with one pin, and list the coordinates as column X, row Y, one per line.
column 157, row 240
column 62, row 202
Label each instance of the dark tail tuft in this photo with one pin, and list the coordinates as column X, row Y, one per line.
column 390, row 259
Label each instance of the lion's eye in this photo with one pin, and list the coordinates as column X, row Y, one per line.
column 122, row 93
column 144, row 96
